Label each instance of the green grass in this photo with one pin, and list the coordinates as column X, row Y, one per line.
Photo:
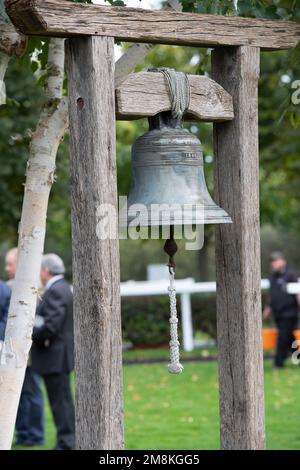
column 181, row 412
column 144, row 354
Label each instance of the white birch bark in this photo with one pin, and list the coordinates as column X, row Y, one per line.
column 39, row 179
column 4, row 60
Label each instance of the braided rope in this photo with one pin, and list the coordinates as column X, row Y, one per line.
column 174, row 367
column 179, row 88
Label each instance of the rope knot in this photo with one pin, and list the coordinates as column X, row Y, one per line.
column 176, row 368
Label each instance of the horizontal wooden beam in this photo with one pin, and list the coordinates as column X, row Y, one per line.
column 66, row 19
column 146, row 94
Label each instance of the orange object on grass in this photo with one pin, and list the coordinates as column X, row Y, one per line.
column 269, row 337
column 296, row 334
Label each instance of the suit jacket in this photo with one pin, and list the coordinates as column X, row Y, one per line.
column 53, row 342
column 4, row 305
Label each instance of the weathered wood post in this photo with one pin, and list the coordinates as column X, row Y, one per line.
column 97, row 316
column 238, row 254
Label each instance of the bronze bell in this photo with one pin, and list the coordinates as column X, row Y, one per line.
column 167, row 171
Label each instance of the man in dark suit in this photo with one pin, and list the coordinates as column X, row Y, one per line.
column 4, row 304
column 53, row 350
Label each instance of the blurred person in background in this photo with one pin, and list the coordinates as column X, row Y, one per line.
column 4, row 305
column 11, row 265
column 53, row 347
column 30, row 417
column 283, row 306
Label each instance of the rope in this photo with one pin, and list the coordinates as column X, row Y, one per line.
column 179, row 89
column 174, row 367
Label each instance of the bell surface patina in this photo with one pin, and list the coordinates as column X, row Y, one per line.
column 167, row 172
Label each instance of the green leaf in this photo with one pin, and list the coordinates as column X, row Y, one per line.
column 34, row 66
column 271, row 13
column 294, row 119
column 117, row 3
column 42, row 79
column 43, row 55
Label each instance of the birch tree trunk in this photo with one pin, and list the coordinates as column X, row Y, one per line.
column 40, row 176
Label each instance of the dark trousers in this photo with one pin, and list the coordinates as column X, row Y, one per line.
column 285, row 338
column 30, row 417
column 62, row 407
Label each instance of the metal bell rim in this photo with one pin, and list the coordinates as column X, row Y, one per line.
column 218, row 216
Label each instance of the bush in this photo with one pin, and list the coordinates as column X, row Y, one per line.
column 145, row 320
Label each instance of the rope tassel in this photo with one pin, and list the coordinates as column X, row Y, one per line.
column 174, row 367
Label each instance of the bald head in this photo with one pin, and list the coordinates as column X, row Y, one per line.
column 11, row 262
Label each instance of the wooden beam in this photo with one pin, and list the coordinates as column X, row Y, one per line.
column 239, row 317
column 96, row 278
column 145, row 94
column 62, row 18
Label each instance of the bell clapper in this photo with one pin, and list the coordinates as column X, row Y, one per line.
column 174, row 367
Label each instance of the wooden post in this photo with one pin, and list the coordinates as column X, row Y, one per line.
column 238, row 254
column 98, row 341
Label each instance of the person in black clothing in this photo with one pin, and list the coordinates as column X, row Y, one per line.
column 283, row 306
column 4, row 305
column 53, row 349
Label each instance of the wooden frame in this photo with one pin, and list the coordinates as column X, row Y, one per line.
column 62, row 18
column 93, row 164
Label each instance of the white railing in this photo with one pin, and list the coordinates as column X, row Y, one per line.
column 184, row 288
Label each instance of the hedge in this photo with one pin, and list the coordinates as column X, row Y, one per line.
column 145, row 320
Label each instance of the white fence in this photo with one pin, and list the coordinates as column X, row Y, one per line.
column 184, row 288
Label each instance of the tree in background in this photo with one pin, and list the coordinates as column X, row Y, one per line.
column 40, row 175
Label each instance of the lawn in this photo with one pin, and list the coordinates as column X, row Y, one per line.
column 181, row 412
